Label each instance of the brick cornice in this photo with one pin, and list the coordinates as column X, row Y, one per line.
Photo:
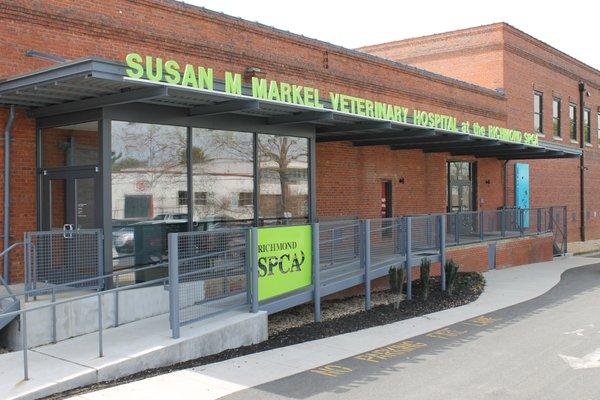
column 215, row 52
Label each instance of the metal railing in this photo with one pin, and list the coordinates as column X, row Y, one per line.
column 208, row 273
column 54, row 303
column 61, row 258
column 216, row 271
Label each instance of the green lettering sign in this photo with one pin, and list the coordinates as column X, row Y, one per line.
column 170, row 71
column 284, row 260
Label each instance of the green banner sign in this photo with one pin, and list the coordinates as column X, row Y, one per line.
column 284, row 260
column 199, row 77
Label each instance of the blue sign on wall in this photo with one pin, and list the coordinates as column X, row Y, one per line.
column 522, row 190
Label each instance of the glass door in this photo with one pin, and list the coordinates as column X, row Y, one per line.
column 70, row 199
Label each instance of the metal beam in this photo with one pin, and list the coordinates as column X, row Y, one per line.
column 487, row 150
column 509, row 152
column 225, row 107
column 548, row 154
column 432, row 139
column 360, row 136
column 131, row 96
column 460, row 146
column 359, row 126
column 297, row 118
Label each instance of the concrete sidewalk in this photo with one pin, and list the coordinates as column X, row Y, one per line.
column 504, row 288
column 128, row 349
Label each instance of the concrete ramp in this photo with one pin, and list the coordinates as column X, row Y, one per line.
column 128, row 349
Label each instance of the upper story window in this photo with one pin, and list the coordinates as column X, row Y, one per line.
column 537, row 112
column 598, row 127
column 556, row 117
column 587, row 128
column 573, row 121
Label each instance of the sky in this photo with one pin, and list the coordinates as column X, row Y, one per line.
column 570, row 26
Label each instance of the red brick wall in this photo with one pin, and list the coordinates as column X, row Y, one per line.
column 474, row 258
column 501, row 56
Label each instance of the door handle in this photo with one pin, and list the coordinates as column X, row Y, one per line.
column 68, row 228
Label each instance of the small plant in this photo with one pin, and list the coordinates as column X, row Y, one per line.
column 397, row 275
column 451, row 268
column 425, row 267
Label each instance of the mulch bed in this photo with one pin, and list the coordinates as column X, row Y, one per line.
column 338, row 316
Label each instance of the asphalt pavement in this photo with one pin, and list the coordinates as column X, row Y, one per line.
column 545, row 348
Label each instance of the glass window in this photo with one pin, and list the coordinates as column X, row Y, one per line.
column 70, row 145
column 283, row 179
column 598, row 127
column 149, row 197
column 537, row 112
column 573, row 121
column 587, row 128
column 223, row 166
column 556, row 117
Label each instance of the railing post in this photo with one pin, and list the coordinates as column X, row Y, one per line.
column 254, row 269
column 481, row 226
column 117, row 301
column 367, row 261
column 100, row 344
column 24, row 344
column 53, row 316
column 174, row 284
column 248, row 257
column 551, row 220
column 502, row 223
column 26, row 249
column 316, row 266
column 456, row 228
column 442, row 224
column 539, row 220
column 408, row 258
column 565, row 235
column 100, row 253
column 521, row 221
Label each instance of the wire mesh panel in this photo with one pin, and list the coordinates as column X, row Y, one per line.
column 63, row 258
column 425, row 234
column 339, row 247
column 387, row 240
column 212, row 269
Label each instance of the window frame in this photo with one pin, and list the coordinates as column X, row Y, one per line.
column 538, row 114
column 556, row 119
column 587, row 126
column 573, row 122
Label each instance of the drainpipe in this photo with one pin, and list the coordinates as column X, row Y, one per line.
column 6, row 233
column 581, row 161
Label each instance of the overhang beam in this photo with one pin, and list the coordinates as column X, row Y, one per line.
column 224, row 107
column 131, row 96
column 446, row 148
column 359, row 126
column 373, row 135
column 303, row 117
column 505, row 149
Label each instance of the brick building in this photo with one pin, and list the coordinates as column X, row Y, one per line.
column 64, row 68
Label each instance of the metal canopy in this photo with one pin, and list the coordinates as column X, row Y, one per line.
column 94, row 83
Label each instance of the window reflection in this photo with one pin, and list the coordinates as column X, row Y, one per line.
column 149, row 172
column 70, row 145
column 223, row 178
column 283, row 178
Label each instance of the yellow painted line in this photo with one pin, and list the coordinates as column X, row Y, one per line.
column 482, row 320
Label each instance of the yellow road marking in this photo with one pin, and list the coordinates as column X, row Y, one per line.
column 331, row 370
column 391, row 351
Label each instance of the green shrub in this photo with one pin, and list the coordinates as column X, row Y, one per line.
column 397, row 276
column 425, row 267
column 451, row 268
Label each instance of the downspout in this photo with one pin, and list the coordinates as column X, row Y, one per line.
column 581, row 161
column 6, row 233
